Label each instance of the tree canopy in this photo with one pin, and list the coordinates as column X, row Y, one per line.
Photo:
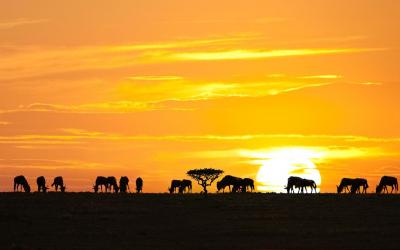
column 205, row 176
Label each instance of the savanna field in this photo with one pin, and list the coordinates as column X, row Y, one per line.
column 195, row 221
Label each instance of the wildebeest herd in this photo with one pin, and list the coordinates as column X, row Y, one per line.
column 234, row 185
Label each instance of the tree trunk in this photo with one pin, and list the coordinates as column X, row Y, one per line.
column 204, row 188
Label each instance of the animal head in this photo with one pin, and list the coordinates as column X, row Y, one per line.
column 171, row 190
column 96, row 188
column 63, row 188
column 219, row 186
column 339, row 189
column 27, row 188
column 378, row 189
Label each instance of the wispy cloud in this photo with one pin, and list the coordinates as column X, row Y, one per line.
column 8, row 24
column 74, row 135
column 321, row 77
column 155, row 78
column 260, row 54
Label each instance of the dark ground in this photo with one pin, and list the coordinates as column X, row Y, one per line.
column 230, row 221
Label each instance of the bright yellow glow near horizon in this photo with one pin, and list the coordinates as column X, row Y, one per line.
column 283, row 163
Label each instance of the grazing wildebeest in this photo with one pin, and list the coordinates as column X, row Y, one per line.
column 345, row 184
column 293, row 182
column 59, row 183
column 357, row 184
column 185, row 184
column 385, row 182
column 139, row 185
column 247, row 183
column 100, row 181
column 41, row 184
column 175, row 184
column 124, row 184
column 308, row 183
column 229, row 181
column 112, row 183
column 21, row 181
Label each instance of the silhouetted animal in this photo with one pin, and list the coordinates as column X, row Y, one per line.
column 21, row 181
column 247, row 183
column 175, row 184
column 308, row 183
column 124, row 184
column 41, row 184
column 359, row 183
column 185, row 185
column 112, row 183
column 100, row 182
column 293, row 182
column 229, row 181
column 59, row 183
column 385, row 182
column 139, row 185
column 345, row 184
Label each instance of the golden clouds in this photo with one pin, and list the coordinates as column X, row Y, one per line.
column 8, row 24
column 261, row 54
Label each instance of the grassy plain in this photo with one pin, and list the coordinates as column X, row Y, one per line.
column 223, row 221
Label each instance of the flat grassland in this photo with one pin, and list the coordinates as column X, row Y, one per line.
column 223, row 221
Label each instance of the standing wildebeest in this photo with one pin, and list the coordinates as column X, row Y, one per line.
column 21, row 181
column 293, row 182
column 124, row 184
column 304, row 183
column 112, row 183
column 175, row 184
column 100, row 181
column 139, row 185
column 387, row 181
column 345, row 184
column 41, row 184
column 185, row 184
column 229, row 181
column 59, row 183
column 357, row 184
column 247, row 183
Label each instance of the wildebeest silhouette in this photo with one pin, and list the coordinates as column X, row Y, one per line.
column 229, row 181
column 100, row 182
column 58, row 182
column 175, row 184
column 247, row 183
column 293, row 182
column 385, row 182
column 359, row 183
column 345, row 185
column 186, row 185
column 20, row 181
column 41, row 184
column 139, row 185
column 124, row 184
column 112, row 184
column 304, row 183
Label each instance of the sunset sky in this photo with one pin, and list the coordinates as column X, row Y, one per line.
column 153, row 88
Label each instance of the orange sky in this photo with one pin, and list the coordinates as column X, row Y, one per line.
column 155, row 88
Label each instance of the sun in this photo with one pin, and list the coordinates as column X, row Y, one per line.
column 280, row 164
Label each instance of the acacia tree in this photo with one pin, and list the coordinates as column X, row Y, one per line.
column 205, row 176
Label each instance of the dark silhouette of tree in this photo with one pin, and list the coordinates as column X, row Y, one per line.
column 205, row 176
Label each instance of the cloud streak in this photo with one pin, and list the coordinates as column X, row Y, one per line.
column 261, row 54
column 9, row 24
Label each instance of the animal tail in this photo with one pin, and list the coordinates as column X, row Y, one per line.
column 53, row 184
